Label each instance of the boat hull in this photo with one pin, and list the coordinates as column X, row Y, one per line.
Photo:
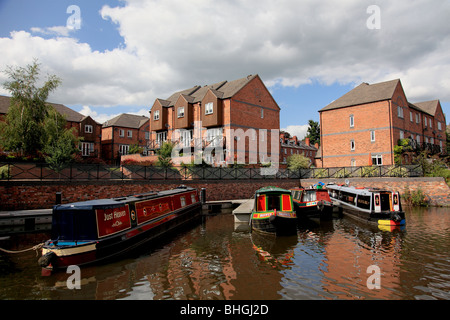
column 280, row 223
column 314, row 209
column 387, row 218
column 142, row 221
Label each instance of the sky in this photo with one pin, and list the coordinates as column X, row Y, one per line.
column 119, row 56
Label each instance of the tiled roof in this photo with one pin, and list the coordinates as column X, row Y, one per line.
column 71, row 115
column 428, row 106
column 365, row 93
column 223, row 90
column 127, row 120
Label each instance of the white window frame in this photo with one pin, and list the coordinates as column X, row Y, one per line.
column 180, row 112
column 209, row 108
column 156, row 115
column 400, row 112
column 262, row 113
column 378, row 159
column 88, row 128
column 121, row 133
column 372, row 135
column 402, row 134
column 124, row 149
column 161, row 137
column 439, row 125
column 129, row 134
column 352, row 145
column 352, row 121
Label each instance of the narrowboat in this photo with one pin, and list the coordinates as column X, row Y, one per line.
column 92, row 231
column 372, row 205
column 314, row 202
column 273, row 212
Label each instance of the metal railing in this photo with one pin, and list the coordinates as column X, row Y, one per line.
column 73, row 172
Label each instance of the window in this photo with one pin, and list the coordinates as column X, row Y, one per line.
column 124, row 148
column 439, row 126
column 432, row 140
column 431, row 123
column 88, row 128
column 209, row 108
column 86, row 148
column 161, row 137
column 418, row 138
column 402, row 135
column 352, row 121
column 156, row 115
column 425, row 121
column 411, row 116
column 130, row 134
column 372, row 135
column 426, row 139
column 180, row 112
column 121, row 133
column 214, row 136
column 186, row 138
column 183, row 201
column 353, row 163
column 352, row 145
column 377, row 160
column 399, row 112
column 440, row 145
column 417, row 118
column 262, row 113
column 147, row 135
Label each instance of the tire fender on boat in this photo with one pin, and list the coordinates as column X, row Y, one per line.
column 46, row 259
column 273, row 218
column 320, row 205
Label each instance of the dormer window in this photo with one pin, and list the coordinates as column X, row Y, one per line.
column 209, row 108
column 180, row 112
column 156, row 115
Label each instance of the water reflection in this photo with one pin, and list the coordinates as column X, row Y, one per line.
column 214, row 260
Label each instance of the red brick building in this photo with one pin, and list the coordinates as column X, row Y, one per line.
column 235, row 114
column 363, row 126
column 122, row 132
column 291, row 145
column 85, row 127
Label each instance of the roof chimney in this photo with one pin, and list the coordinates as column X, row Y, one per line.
column 307, row 141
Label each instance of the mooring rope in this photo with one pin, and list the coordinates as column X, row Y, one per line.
column 36, row 248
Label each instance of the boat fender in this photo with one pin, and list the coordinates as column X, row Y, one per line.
column 320, row 205
column 46, row 259
column 272, row 219
column 396, row 218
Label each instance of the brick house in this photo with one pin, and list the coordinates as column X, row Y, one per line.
column 122, row 132
column 363, row 126
column 85, row 127
column 291, row 145
column 241, row 110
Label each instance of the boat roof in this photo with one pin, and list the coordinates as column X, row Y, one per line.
column 119, row 201
column 272, row 189
column 361, row 191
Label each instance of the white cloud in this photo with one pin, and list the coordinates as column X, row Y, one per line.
column 56, row 31
column 297, row 130
column 172, row 44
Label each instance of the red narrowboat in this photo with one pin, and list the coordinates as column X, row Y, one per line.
column 91, row 231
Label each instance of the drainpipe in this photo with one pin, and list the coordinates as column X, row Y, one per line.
column 390, row 132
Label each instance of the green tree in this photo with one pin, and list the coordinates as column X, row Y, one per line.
column 135, row 149
column 313, row 132
column 61, row 143
column 403, row 145
column 24, row 131
column 165, row 155
column 298, row 161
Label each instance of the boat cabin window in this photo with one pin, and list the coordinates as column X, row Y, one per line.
column 385, row 202
column 183, row 201
column 363, row 202
column 310, row 195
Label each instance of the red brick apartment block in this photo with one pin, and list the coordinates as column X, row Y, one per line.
column 122, row 132
column 363, row 126
column 244, row 105
column 85, row 127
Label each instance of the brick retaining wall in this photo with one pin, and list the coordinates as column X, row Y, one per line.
column 19, row 195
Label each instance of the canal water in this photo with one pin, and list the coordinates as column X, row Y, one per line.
column 337, row 259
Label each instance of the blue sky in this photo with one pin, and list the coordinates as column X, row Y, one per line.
column 124, row 54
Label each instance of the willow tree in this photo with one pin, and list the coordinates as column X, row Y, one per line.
column 24, row 129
